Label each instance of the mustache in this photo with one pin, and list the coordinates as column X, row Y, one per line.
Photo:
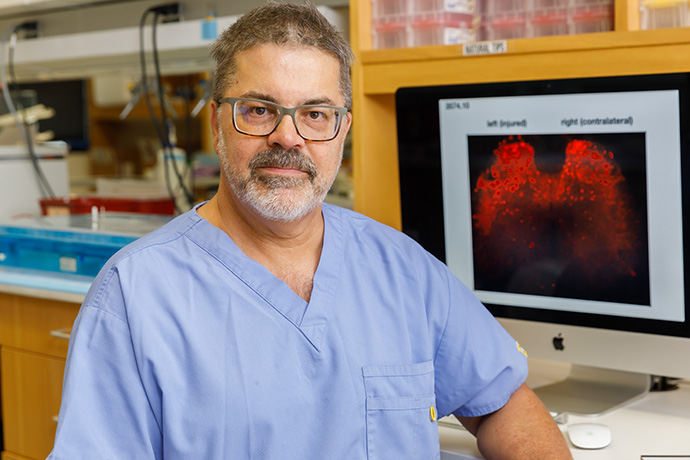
column 277, row 157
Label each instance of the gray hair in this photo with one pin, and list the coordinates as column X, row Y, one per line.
column 280, row 24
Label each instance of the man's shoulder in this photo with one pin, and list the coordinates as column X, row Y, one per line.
column 163, row 236
column 355, row 222
column 153, row 254
column 377, row 237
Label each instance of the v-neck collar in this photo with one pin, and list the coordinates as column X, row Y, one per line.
column 311, row 318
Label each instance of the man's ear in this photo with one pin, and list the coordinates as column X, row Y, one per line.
column 347, row 122
column 214, row 123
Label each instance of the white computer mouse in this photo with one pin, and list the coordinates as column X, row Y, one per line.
column 589, row 435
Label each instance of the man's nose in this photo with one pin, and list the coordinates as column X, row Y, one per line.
column 286, row 134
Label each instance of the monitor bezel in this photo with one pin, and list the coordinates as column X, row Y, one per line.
column 421, row 194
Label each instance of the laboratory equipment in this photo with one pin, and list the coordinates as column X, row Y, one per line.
column 77, row 244
column 20, row 192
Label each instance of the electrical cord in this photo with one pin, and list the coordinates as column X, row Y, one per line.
column 10, row 33
column 167, row 123
column 162, row 127
column 188, row 92
column 149, row 105
column 43, row 184
column 144, row 77
column 21, row 109
column 162, row 136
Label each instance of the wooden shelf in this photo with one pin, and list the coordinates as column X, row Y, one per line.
column 558, row 43
column 385, row 71
column 378, row 74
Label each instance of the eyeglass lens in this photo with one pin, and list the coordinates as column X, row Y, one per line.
column 260, row 118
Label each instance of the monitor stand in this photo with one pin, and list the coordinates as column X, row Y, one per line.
column 591, row 391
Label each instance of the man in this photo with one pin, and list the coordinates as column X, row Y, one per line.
column 266, row 325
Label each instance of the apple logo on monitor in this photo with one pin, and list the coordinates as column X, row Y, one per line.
column 558, row 342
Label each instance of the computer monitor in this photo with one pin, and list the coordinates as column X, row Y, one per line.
column 562, row 205
column 68, row 98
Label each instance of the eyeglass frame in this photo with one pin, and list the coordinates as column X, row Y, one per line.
column 342, row 113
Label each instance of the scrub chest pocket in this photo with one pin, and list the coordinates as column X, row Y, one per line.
column 401, row 412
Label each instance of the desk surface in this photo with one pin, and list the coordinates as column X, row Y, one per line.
column 657, row 424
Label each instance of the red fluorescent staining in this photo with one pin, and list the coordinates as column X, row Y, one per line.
column 580, row 212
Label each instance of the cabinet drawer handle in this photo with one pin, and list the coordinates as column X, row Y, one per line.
column 62, row 333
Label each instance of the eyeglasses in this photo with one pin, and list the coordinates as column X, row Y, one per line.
column 260, row 118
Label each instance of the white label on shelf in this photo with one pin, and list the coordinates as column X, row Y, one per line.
column 458, row 6
column 478, row 48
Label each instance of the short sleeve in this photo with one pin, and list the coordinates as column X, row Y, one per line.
column 105, row 412
column 478, row 364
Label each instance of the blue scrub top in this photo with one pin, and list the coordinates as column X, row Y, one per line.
column 186, row 348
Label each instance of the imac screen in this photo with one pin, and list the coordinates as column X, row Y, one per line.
column 552, row 211
column 558, row 202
